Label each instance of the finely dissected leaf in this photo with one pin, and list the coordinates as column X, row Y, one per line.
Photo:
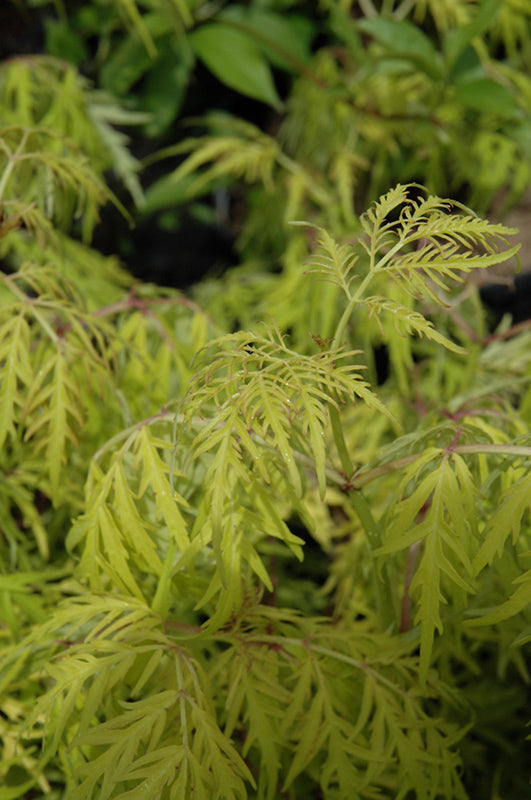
column 140, row 726
column 65, row 346
column 115, row 552
column 446, row 243
column 506, row 521
column 237, row 149
column 140, row 741
column 519, row 600
column 256, row 701
column 274, row 402
column 48, row 170
column 130, row 520
column 315, row 732
column 116, row 531
column 335, row 262
column 154, row 473
column 55, row 405
column 407, row 321
column 272, row 521
column 162, row 690
column 442, row 261
column 352, row 710
column 17, row 372
column 275, row 390
column 444, row 500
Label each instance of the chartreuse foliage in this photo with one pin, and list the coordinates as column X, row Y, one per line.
column 159, row 639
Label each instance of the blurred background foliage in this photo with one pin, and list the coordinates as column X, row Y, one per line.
column 219, row 123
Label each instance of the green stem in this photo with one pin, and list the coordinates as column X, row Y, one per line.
column 366, row 518
column 354, row 300
column 495, row 449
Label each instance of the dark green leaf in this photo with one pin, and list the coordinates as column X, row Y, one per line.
column 405, row 40
column 63, row 42
column 130, row 60
column 285, row 41
column 236, row 61
column 484, row 94
column 165, row 87
column 343, row 26
column 457, row 40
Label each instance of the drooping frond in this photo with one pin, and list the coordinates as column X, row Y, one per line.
column 38, row 166
column 47, row 94
column 46, row 341
column 505, row 522
column 408, row 322
column 240, row 151
column 236, row 149
column 438, row 513
column 134, row 737
column 143, row 710
column 123, row 505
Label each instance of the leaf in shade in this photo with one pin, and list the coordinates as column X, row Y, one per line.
column 236, row 61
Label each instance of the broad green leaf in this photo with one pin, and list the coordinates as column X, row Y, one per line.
column 130, row 59
column 485, row 94
column 62, row 41
column 164, row 88
column 285, row 40
column 344, row 27
column 234, row 58
column 405, row 40
column 458, row 39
